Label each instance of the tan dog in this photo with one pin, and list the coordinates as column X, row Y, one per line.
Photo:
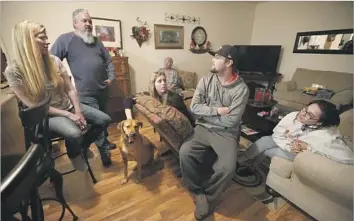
column 136, row 147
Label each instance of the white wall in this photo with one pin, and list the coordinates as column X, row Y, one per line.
column 225, row 23
column 279, row 22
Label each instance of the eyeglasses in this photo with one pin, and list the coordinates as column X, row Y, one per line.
column 309, row 115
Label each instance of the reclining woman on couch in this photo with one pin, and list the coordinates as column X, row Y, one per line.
column 313, row 129
column 35, row 72
column 158, row 89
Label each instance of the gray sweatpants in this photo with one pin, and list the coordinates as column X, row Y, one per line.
column 205, row 149
column 266, row 146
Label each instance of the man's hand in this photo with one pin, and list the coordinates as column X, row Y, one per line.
column 223, row 110
column 109, row 82
column 82, row 119
column 79, row 120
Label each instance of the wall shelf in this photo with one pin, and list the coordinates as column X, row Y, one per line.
column 199, row 51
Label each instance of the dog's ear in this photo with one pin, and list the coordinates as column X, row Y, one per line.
column 140, row 124
column 120, row 126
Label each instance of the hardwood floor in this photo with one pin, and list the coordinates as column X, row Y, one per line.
column 158, row 197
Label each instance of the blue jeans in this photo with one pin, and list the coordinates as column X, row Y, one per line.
column 75, row 141
column 97, row 100
column 267, row 146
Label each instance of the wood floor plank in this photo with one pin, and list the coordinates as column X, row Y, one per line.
column 160, row 197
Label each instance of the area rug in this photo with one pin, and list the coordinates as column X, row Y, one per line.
column 258, row 191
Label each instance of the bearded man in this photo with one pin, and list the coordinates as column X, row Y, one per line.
column 92, row 69
column 218, row 102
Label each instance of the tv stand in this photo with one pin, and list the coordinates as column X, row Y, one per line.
column 270, row 78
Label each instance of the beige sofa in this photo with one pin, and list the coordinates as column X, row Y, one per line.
column 320, row 187
column 289, row 93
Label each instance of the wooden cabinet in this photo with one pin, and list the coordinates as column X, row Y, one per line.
column 119, row 89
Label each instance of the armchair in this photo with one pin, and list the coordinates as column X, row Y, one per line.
column 321, row 187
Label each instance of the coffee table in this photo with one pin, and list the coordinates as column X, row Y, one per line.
column 263, row 125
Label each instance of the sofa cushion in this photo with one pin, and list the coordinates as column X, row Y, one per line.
column 189, row 79
column 282, row 167
column 342, row 98
column 167, row 118
column 336, row 81
column 346, row 123
column 286, row 86
column 294, row 96
column 326, row 176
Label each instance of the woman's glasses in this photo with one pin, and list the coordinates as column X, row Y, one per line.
column 309, row 115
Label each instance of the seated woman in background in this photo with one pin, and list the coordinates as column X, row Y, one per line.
column 158, row 89
column 313, row 129
column 34, row 72
column 174, row 82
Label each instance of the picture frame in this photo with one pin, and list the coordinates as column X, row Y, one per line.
column 338, row 41
column 169, row 36
column 109, row 31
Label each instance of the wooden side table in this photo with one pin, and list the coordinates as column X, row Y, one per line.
column 264, row 125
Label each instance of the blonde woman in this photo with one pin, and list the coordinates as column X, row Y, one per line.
column 33, row 72
column 158, row 89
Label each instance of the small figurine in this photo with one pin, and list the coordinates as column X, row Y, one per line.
column 192, row 44
column 208, row 45
column 121, row 53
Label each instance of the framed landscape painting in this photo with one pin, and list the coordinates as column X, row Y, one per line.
column 109, row 31
column 169, row 37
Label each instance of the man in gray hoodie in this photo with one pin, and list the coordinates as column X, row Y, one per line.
column 218, row 102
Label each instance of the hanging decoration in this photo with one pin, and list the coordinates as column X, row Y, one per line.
column 182, row 19
column 140, row 33
column 199, row 43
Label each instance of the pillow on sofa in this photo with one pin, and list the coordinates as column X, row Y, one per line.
column 188, row 79
column 175, row 119
column 343, row 97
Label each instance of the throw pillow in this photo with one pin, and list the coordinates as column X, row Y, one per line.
column 174, row 118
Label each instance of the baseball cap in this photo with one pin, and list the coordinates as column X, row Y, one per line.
column 227, row 51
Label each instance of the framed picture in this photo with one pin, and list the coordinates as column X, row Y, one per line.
column 109, row 31
column 169, row 37
column 325, row 42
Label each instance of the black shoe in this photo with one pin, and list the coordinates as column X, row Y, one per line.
column 202, row 207
column 106, row 159
column 112, row 146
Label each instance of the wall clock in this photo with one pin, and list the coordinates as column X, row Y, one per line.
column 199, row 35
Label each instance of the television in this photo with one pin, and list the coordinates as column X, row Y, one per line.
column 258, row 58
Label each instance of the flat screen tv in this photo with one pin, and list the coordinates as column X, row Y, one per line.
column 258, row 58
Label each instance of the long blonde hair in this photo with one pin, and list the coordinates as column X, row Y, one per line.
column 152, row 88
column 31, row 62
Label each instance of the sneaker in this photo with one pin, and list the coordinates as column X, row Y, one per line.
column 106, row 159
column 79, row 163
column 202, row 207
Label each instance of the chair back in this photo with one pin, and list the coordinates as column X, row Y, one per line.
column 18, row 179
column 35, row 122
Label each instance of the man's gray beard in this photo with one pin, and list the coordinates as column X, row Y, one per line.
column 87, row 37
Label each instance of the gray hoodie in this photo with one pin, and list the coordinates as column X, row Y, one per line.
column 210, row 95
